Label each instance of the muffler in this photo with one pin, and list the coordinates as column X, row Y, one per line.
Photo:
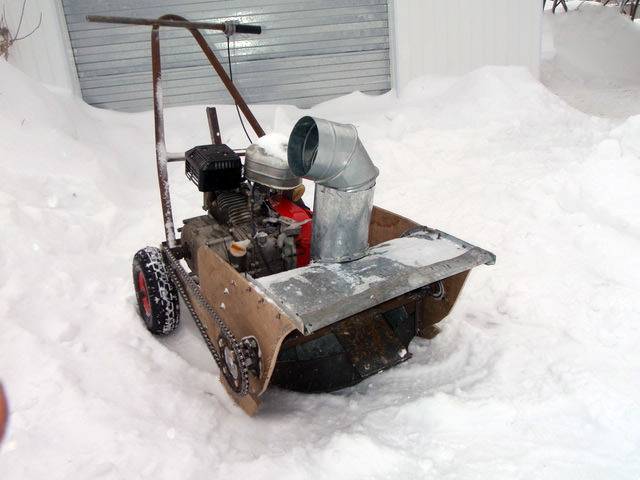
column 333, row 157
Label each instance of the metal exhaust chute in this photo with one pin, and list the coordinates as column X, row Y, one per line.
column 332, row 155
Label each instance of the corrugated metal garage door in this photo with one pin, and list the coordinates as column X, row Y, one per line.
column 309, row 51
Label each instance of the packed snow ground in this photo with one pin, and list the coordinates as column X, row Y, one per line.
column 535, row 374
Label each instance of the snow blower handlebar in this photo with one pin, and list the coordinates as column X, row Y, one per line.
column 229, row 28
column 226, row 27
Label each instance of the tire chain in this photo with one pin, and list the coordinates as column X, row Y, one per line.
column 183, row 280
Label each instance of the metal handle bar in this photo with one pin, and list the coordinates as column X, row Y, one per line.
column 222, row 27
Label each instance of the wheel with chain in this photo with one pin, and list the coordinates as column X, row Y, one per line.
column 227, row 352
column 230, row 364
column 157, row 296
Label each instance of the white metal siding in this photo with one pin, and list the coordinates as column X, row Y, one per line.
column 309, row 51
column 455, row 36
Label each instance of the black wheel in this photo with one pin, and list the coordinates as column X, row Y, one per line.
column 157, row 296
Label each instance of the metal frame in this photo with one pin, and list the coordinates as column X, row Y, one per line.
column 633, row 8
column 555, row 5
column 222, row 297
column 176, row 21
column 623, row 4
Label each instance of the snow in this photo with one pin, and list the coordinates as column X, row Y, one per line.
column 535, row 373
column 274, row 144
column 417, row 252
column 591, row 58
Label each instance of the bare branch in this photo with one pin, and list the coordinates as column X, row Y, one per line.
column 16, row 39
column 7, row 38
column 5, row 35
column 24, row 4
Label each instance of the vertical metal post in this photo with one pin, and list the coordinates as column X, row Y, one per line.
column 214, row 126
column 161, row 147
column 214, row 131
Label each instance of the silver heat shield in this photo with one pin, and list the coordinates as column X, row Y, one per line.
column 272, row 171
column 332, row 155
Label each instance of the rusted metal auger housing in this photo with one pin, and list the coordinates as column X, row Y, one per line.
column 310, row 301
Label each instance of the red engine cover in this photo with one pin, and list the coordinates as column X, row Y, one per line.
column 286, row 208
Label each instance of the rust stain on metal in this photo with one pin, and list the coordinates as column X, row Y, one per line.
column 214, row 126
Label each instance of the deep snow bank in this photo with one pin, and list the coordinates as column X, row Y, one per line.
column 590, row 58
column 533, row 376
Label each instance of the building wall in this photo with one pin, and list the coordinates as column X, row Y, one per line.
column 309, row 51
column 427, row 37
column 450, row 37
column 46, row 54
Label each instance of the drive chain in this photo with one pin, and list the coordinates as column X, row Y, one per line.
column 182, row 281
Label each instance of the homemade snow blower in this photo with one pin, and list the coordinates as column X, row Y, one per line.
column 309, row 301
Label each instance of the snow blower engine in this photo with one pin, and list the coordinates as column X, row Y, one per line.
column 255, row 220
column 309, row 301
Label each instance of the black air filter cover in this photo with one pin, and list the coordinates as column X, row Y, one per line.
column 213, row 168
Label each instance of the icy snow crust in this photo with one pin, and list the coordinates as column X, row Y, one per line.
column 535, row 374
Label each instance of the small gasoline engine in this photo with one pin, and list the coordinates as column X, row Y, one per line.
column 256, row 218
